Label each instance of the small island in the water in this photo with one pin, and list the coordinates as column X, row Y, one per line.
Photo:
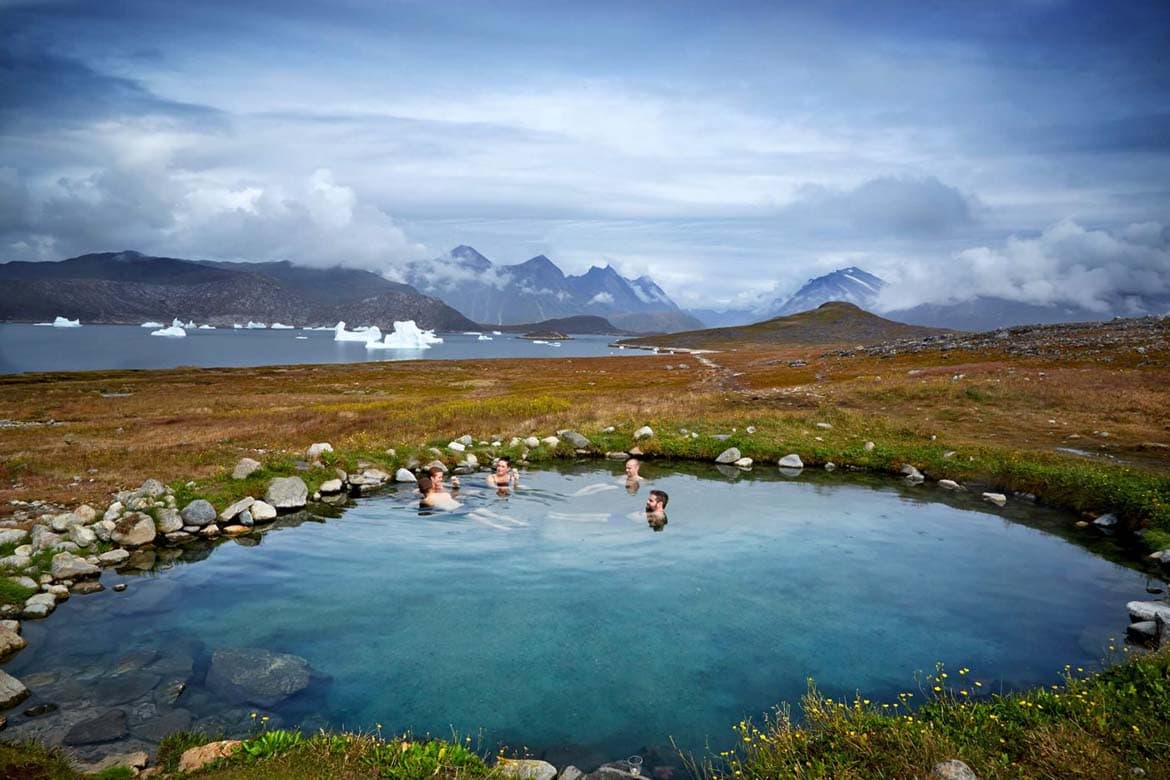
column 546, row 335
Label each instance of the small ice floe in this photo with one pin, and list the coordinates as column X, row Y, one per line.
column 320, row 327
column 280, row 326
column 497, row 333
column 555, row 344
column 301, row 338
column 178, row 323
column 173, row 332
column 206, row 327
column 237, row 326
column 483, row 337
column 152, row 324
column 256, row 325
column 366, row 334
column 539, row 341
column 406, row 335
column 61, row 322
column 472, row 333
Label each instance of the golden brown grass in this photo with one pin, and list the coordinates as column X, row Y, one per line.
column 115, row 428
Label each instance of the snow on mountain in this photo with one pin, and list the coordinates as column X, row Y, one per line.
column 851, row 285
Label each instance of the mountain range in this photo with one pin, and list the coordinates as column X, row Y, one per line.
column 538, row 290
column 129, row 287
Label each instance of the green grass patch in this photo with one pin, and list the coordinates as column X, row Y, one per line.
column 13, row 592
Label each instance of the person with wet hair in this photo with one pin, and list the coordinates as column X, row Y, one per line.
column 436, row 474
column 504, row 476
column 633, row 479
column 433, row 497
column 656, row 509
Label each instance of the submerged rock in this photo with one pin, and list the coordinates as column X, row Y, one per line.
column 107, row 727
column 256, row 675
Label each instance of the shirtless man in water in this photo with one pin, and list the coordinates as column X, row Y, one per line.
column 504, row 475
column 633, row 479
column 433, row 496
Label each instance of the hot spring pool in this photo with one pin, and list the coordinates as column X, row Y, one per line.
column 556, row 619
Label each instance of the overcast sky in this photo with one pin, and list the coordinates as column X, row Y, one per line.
column 730, row 150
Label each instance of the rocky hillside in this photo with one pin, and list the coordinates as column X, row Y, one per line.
column 830, row 323
column 129, row 288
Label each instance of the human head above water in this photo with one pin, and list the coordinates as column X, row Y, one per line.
column 657, row 500
column 425, row 484
column 632, row 466
column 435, row 471
column 504, row 463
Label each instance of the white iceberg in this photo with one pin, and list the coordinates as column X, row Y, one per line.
column 61, row 322
column 256, row 325
column 484, row 337
column 366, row 334
column 280, row 326
column 301, row 338
column 497, row 333
column 152, row 324
column 237, row 326
column 472, row 333
column 206, row 327
column 539, row 341
column 406, row 335
column 178, row 323
column 173, row 332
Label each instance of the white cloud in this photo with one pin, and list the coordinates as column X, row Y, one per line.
column 601, row 297
column 1066, row 264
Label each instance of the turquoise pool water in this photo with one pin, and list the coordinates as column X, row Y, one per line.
column 558, row 620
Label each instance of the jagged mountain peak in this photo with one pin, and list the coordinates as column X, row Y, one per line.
column 852, row 285
column 470, row 257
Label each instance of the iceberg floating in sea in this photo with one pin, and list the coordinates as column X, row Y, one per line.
column 152, row 324
column 256, row 325
column 178, row 323
column 280, row 326
column 497, row 333
column 206, row 327
column 301, row 338
column 237, row 326
column 173, row 332
column 484, row 337
column 61, row 322
column 406, row 335
column 366, row 334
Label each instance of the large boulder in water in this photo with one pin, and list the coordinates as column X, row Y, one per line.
column 256, row 675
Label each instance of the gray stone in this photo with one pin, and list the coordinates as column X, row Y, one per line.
column 287, row 493
column 43, row 538
column 824, row 426
column 12, row 691
column 743, row 463
column 949, row 484
column 456, row 446
column 570, row 773
column 330, row 487
column 869, row 445
column 179, row 537
column 729, row 455
column 86, row 588
column 999, row 499
column 10, row 625
column 107, row 727
column 169, row 722
column 526, row 769
column 39, row 606
column 256, row 675
column 133, row 530
column 15, row 562
column 233, row 510
column 952, row 769
column 245, row 518
column 551, row 441
column 531, row 442
column 124, row 688
column 103, row 529
column 67, row 566
column 152, row 488
column 26, row 582
column 645, row 432
column 1148, row 610
column 245, row 468
column 1143, row 630
column 113, row 557
column 114, row 511
column 13, row 536
column 199, row 512
column 404, row 475
column 791, row 461
column 82, row 536
column 132, row 761
column 11, row 643
column 262, row 512
column 1106, row 521
column 466, row 440
column 912, row 474
column 375, row 476
column 169, row 521
column 315, row 451
column 830, row 466
column 575, row 440
column 437, row 464
column 616, row 455
column 63, row 522
column 86, row 513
